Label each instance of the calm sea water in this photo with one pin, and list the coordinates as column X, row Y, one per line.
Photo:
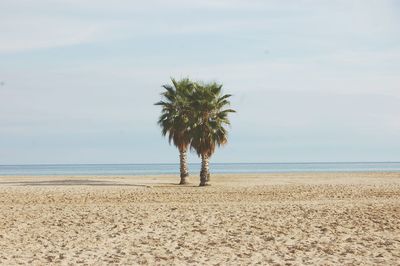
column 161, row 169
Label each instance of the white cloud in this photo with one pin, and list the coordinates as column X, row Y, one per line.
column 27, row 25
column 28, row 33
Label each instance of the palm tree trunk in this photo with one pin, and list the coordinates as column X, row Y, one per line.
column 205, row 171
column 183, row 167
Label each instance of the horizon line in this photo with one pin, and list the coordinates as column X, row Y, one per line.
column 212, row 163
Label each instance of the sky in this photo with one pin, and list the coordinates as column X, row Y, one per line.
column 312, row 81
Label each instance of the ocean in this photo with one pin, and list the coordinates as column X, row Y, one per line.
column 164, row 169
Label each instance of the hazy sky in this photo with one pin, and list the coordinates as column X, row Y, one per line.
column 312, row 80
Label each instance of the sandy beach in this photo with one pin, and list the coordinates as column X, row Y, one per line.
column 268, row 219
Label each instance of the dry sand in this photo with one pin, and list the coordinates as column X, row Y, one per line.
column 285, row 219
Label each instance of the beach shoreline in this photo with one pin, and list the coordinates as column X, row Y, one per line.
column 274, row 218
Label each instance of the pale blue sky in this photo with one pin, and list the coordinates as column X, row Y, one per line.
column 312, row 80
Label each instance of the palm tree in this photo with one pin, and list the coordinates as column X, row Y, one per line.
column 209, row 117
column 174, row 120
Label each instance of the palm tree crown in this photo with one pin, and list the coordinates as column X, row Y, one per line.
column 174, row 120
column 209, row 119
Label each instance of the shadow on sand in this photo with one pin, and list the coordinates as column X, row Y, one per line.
column 87, row 182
